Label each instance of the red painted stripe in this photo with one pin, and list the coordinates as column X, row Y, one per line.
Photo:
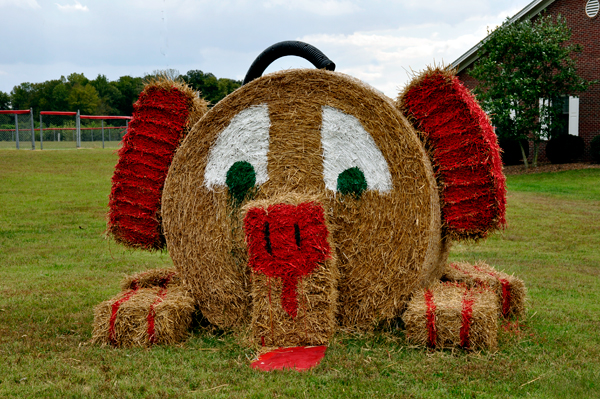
column 152, row 313
column 432, row 331
column 467, row 315
column 505, row 296
column 115, row 309
column 505, row 290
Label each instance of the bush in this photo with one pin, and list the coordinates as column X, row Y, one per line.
column 595, row 149
column 511, row 152
column 564, row 149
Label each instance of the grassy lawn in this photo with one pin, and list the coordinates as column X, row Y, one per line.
column 55, row 266
column 58, row 145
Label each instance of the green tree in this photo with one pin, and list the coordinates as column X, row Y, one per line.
column 84, row 98
column 129, row 89
column 108, row 93
column 23, row 96
column 227, row 86
column 4, row 100
column 521, row 68
column 60, row 96
column 210, row 88
column 77, row 78
column 206, row 83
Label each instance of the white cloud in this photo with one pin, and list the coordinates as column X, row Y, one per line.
column 20, row 3
column 386, row 58
column 73, row 7
column 319, row 7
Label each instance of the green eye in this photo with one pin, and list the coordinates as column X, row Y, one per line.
column 352, row 181
column 241, row 177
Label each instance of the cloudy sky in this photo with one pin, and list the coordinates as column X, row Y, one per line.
column 378, row 41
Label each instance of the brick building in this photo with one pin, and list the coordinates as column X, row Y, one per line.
column 582, row 110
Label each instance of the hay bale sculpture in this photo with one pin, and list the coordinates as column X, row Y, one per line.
column 306, row 201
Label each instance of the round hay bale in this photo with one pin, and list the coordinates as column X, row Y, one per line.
column 311, row 133
column 163, row 114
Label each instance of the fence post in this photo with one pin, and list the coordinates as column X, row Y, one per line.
column 41, row 133
column 102, row 121
column 32, row 129
column 17, row 129
column 78, row 126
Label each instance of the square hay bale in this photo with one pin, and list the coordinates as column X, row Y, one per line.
column 143, row 317
column 315, row 322
column 163, row 115
column 291, row 307
column 510, row 290
column 450, row 315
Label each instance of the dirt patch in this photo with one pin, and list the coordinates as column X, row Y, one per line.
column 543, row 168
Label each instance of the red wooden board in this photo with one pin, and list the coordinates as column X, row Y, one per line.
column 299, row 358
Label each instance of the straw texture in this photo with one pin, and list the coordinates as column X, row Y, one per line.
column 464, row 150
column 163, row 114
column 387, row 239
column 449, row 315
column 510, row 290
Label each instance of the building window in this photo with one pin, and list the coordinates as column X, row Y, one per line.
column 591, row 8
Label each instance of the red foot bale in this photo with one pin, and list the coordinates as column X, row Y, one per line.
column 451, row 315
column 510, row 290
column 151, row 309
column 162, row 116
column 464, row 151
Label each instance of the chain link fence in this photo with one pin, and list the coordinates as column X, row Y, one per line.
column 60, row 130
column 16, row 129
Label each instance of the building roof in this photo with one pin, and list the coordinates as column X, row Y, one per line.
column 530, row 11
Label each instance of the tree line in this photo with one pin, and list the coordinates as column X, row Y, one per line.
column 101, row 96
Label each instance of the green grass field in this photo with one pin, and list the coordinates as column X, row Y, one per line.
column 58, row 145
column 55, row 266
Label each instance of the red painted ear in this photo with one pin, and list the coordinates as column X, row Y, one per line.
column 464, row 152
column 162, row 116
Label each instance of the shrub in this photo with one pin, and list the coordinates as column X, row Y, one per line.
column 564, row 149
column 511, row 152
column 595, row 149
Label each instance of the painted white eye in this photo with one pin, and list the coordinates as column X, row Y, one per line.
column 244, row 141
column 348, row 149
